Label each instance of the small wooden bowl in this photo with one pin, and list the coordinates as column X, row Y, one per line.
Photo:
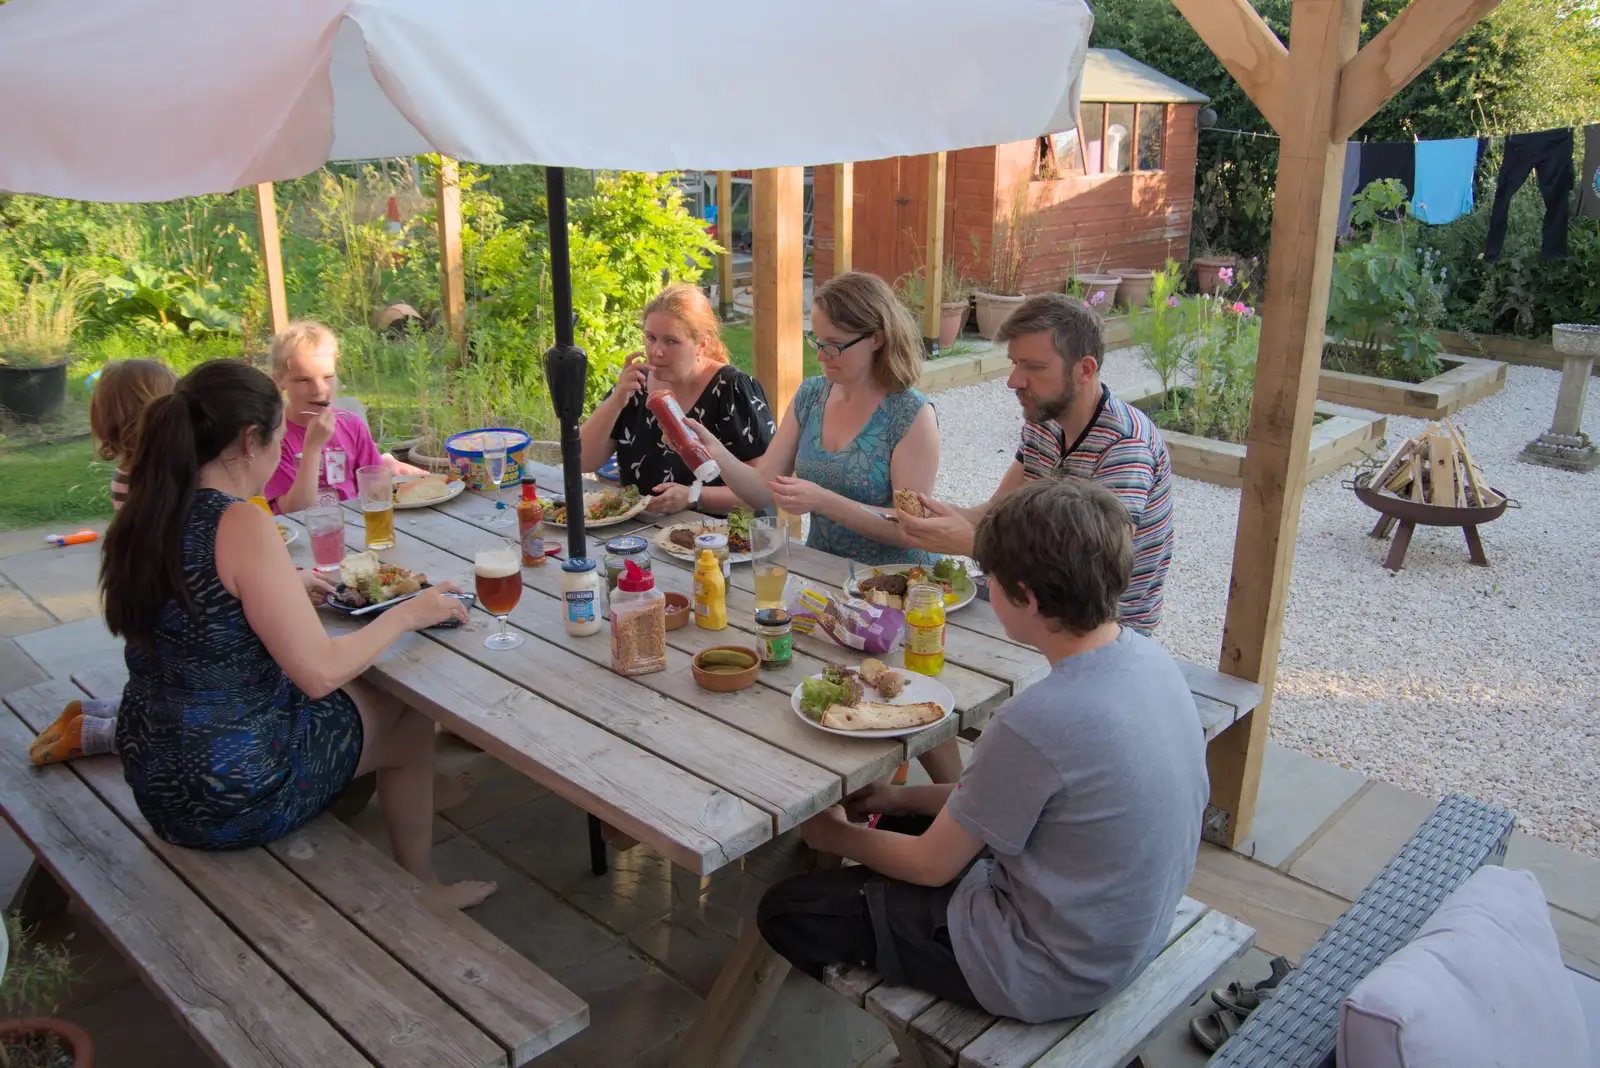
column 726, row 681
column 677, row 611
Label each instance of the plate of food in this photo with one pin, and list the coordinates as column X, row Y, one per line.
column 367, row 585
column 872, row 701
column 677, row 540
column 424, row 491
column 603, row 508
column 888, row 585
column 287, row 533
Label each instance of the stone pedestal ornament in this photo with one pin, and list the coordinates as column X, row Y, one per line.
column 1565, row 445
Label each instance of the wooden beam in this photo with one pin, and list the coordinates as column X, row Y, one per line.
column 272, row 255
column 1401, row 51
column 933, row 257
column 1249, row 50
column 452, row 272
column 1300, row 267
column 725, row 239
column 844, row 217
column 778, row 248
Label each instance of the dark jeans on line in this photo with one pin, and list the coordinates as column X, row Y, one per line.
column 856, row 916
column 1549, row 154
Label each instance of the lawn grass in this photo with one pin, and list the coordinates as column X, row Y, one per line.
column 47, row 483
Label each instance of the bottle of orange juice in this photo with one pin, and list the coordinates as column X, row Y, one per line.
column 925, row 629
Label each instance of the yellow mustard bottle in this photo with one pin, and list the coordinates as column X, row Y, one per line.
column 925, row 630
column 710, row 593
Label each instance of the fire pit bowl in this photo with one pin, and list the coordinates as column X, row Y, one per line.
column 1412, row 514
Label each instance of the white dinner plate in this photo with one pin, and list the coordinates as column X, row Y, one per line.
column 919, row 688
column 964, row 589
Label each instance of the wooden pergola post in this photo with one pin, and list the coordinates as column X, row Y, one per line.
column 778, row 249
column 452, row 271
column 933, row 257
column 272, row 255
column 1335, row 90
column 725, row 239
column 844, row 216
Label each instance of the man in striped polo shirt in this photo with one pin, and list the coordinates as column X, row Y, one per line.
column 1075, row 426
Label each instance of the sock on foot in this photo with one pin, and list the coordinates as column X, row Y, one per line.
column 65, row 745
column 99, row 735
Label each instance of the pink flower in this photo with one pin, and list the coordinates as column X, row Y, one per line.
column 1172, row 302
column 1098, row 298
column 1240, row 308
column 1226, row 276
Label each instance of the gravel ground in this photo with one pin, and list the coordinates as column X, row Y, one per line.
column 1442, row 677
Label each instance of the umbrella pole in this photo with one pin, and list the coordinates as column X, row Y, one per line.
column 566, row 366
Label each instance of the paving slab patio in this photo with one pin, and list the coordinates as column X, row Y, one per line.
column 1298, row 794
column 1344, row 857
column 63, row 581
column 63, row 649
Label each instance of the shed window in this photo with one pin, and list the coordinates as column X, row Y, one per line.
column 1152, row 136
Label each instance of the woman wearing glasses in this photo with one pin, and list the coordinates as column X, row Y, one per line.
column 853, row 436
column 683, row 354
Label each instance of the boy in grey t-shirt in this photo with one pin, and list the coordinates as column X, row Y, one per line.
column 1085, row 797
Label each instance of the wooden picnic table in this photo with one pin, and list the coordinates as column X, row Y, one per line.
column 704, row 779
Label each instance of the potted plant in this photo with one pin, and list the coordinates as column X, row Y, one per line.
column 1208, row 273
column 37, row 979
column 955, row 292
column 1136, row 283
column 1010, row 254
column 37, row 321
column 1099, row 291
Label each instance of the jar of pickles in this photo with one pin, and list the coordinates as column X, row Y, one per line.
column 718, row 545
column 774, row 637
column 619, row 551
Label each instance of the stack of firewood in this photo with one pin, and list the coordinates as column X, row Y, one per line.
column 1435, row 468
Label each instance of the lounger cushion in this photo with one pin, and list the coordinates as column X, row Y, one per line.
column 1481, row 984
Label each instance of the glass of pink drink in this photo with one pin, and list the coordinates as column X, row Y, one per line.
column 326, row 526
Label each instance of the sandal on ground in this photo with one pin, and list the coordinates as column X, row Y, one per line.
column 1244, row 999
column 1214, row 1028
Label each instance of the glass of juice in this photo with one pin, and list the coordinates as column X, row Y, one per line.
column 261, row 503
column 494, row 468
column 497, row 577
column 377, row 505
column 769, row 549
column 325, row 523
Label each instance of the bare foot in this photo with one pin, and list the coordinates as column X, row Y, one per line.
column 463, row 895
column 452, row 789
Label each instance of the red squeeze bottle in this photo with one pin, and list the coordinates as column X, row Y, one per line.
column 664, row 406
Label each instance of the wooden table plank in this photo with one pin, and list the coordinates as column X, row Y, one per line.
column 1242, row 694
column 234, row 1005
column 579, row 678
column 763, row 711
column 395, row 1018
column 520, row 1006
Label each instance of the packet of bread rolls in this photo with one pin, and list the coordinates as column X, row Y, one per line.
column 848, row 621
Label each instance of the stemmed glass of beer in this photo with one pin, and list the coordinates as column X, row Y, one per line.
column 497, row 576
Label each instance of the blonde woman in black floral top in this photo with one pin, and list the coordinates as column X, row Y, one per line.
column 683, row 354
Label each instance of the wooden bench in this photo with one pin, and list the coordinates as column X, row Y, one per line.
column 930, row 1033
column 316, row 950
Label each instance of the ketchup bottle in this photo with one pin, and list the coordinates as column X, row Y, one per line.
column 677, row 434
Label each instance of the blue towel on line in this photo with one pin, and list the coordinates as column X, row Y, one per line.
column 1444, row 179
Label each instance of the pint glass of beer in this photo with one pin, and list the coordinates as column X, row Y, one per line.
column 497, row 575
column 377, row 505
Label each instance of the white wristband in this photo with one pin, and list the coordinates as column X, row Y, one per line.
column 694, row 495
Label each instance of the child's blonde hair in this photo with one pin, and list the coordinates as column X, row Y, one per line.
column 302, row 335
column 124, row 390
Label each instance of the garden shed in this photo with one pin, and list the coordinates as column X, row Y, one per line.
column 1116, row 192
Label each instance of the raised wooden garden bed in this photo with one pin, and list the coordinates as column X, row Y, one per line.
column 1465, row 379
column 1524, row 352
column 1344, row 436
column 952, row 372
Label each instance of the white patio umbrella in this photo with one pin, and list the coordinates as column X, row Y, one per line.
column 139, row 100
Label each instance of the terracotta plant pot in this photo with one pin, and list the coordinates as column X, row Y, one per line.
column 1208, row 273
column 1099, row 290
column 952, row 320
column 1134, row 292
column 69, row 1036
column 994, row 309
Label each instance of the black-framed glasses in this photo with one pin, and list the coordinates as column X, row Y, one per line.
column 830, row 348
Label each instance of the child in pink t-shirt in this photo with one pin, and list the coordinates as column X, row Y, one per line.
column 323, row 446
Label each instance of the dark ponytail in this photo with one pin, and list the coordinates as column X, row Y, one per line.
column 141, row 565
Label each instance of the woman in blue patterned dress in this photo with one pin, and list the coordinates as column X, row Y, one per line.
column 854, row 436
column 241, row 719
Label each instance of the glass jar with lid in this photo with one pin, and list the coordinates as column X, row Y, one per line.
column 718, row 544
column 619, row 551
column 774, row 637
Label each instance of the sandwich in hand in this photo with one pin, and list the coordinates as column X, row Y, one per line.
column 873, row 716
column 907, row 502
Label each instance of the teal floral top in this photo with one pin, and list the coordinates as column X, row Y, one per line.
column 859, row 471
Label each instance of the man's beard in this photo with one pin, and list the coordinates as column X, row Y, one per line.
column 1052, row 409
